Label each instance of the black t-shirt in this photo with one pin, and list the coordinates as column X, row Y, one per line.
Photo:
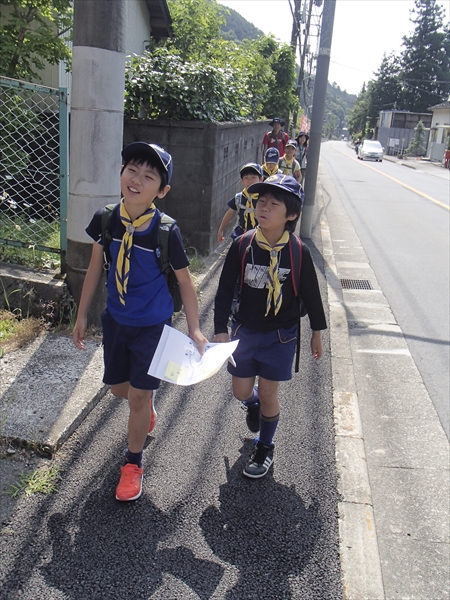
column 252, row 306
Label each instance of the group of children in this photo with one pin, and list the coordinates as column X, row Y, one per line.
column 139, row 304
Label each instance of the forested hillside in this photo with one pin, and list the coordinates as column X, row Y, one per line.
column 338, row 105
column 237, row 28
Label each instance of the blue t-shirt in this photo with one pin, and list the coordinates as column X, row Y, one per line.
column 148, row 300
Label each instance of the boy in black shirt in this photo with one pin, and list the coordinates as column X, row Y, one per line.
column 266, row 318
column 242, row 204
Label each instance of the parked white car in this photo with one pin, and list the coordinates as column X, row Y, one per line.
column 371, row 149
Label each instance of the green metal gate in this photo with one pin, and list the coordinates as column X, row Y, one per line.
column 34, row 169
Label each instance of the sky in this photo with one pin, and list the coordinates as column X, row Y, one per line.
column 363, row 30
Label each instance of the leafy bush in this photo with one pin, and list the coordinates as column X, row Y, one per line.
column 168, row 88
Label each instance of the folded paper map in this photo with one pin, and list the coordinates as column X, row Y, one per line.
column 177, row 359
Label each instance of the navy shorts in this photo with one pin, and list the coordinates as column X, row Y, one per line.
column 269, row 355
column 128, row 352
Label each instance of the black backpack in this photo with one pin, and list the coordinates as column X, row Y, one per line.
column 165, row 224
column 296, row 256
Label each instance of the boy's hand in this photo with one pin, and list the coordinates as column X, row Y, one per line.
column 78, row 333
column 316, row 345
column 199, row 339
column 221, row 338
column 220, row 237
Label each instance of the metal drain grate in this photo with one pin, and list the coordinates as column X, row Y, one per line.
column 356, row 284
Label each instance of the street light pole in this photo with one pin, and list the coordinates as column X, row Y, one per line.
column 318, row 111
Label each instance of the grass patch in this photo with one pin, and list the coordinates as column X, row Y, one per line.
column 196, row 262
column 33, row 232
column 42, row 481
column 15, row 332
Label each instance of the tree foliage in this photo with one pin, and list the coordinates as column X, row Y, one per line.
column 195, row 24
column 416, row 146
column 199, row 75
column 166, row 87
column 30, row 36
column 415, row 80
column 425, row 60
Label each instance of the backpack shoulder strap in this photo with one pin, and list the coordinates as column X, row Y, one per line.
column 162, row 251
column 245, row 242
column 296, row 253
column 107, row 213
column 238, row 200
column 296, row 256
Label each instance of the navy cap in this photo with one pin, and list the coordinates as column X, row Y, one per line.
column 283, row 182
column 253, row 166
column 272, row 155
column 162, row 155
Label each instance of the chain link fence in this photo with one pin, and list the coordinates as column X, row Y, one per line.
column 33, row 174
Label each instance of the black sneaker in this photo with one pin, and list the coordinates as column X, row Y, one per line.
column 260, row 461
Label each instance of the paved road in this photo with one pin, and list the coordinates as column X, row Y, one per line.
column 200, row 529
column 401, row 217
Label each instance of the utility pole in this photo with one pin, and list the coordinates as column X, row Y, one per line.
column 96, row 131
column 318, row 110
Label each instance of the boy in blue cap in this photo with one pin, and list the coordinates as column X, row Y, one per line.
column 139, row 303
column 243, row 204
column 270, row 165
column 266, row 318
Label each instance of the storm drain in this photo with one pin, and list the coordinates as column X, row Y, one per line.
column 356, row 284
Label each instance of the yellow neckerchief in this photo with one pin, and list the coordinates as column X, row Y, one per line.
column 286, row 165
column 273, row 171
column 123, row 258
column 249, row 210
column 274, row 284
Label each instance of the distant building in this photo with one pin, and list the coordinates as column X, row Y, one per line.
column 439, row 132
column 395, row 129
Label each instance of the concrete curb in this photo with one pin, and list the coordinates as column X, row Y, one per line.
column 360, row 560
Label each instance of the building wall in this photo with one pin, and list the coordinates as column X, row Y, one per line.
column 206, row 158
column 384, row 134
column 136, row 35
column 137, row 27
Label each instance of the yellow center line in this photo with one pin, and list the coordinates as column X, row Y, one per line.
column 408, row 187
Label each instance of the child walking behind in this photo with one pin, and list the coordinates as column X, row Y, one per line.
column 288, row 165
column 139, row 303
column 266, row 318
column 243, row 204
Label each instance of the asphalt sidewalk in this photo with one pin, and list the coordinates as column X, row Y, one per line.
column 391, row 451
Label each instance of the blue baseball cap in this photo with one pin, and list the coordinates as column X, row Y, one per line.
column 272, row 155
column 283, row 182
column 162, row 155
column 253, row 166
column 292, row 143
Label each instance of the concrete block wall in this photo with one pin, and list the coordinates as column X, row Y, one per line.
column 206, row 162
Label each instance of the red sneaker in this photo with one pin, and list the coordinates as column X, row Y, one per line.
column 153, row 414
column 130, row 484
